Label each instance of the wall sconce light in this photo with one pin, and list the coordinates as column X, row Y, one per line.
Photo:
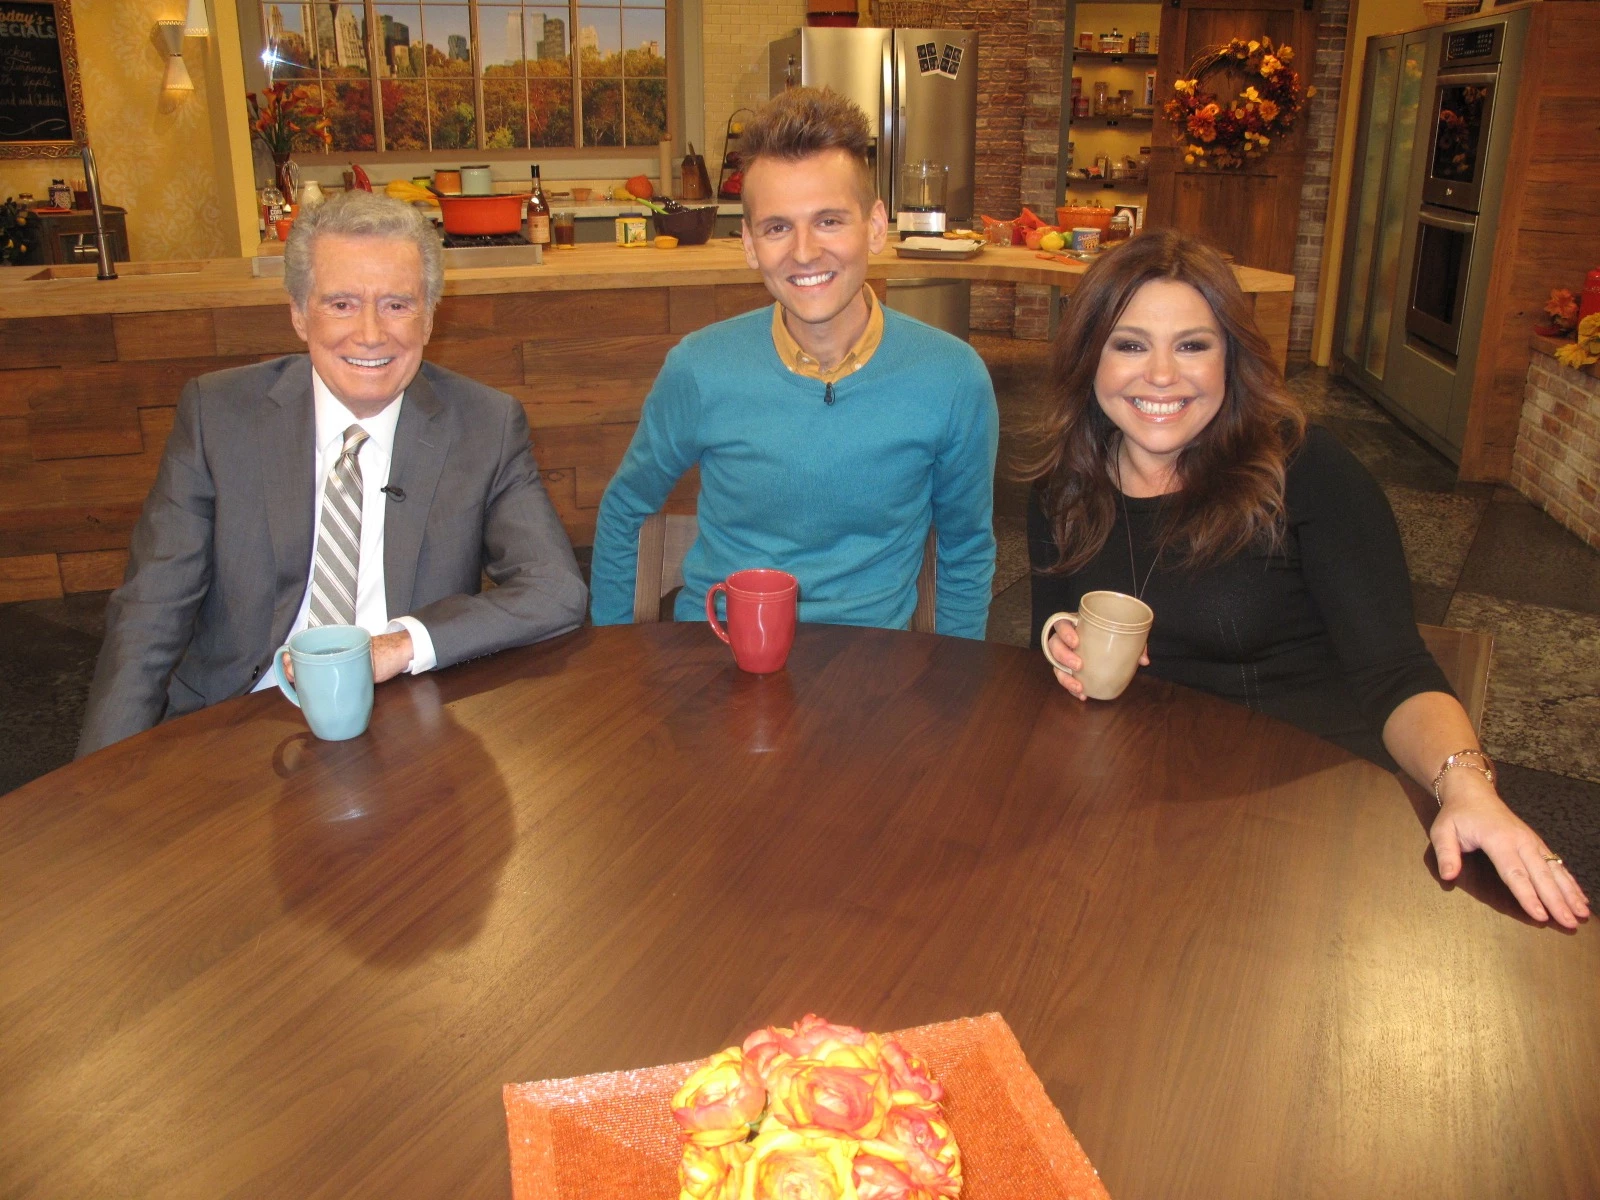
column 197, row 24
column 177, row 77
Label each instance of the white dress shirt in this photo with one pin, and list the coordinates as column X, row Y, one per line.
column 374, row 454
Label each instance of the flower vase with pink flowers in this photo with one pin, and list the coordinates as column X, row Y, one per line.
column 816, row 1112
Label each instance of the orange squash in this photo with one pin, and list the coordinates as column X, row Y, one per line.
column 640, row 187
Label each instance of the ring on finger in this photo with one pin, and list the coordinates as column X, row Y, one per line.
column 1553, row 858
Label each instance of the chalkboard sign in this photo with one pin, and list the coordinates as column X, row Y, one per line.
column 41, row 100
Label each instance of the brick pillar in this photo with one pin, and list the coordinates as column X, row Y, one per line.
column 1326, row 73
column 1041, row 137
column 1002, row 105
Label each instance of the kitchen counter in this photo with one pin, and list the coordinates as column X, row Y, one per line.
column 228, row 283
column 91, row 371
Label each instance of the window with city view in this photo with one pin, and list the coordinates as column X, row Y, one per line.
column 472, row 74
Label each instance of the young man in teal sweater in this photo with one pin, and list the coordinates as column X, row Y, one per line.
column 829, row 431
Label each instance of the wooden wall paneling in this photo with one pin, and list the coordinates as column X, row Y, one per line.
column 93, row 410
column 164, row 335
column 19, row 389
column 592, row 481
column 464, row 319
column 93, row 571
column 1519, row 286
column 57, row 341
column 590, row 485
column 567, row 370
column 582, row 446
column 1272, row 318
column 544, row 414
column 29, row 577
column 84, row 426
column 1554, row 162
column 736, row 298
column 494, row 362
column 124, row 478
column 537, row 315
column 65, row 527
column 690, row 308
column 155, row 383
column 1569, row 47
column 579, row 522
column 1250, row 212
column 14, row 451
column 1241, row 213
column 259, row 330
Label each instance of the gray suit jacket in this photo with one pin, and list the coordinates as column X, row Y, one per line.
column 222, row 551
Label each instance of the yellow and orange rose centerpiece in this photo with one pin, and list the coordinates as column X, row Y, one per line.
column 816, row 1112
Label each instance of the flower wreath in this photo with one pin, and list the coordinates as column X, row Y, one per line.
column 1226, row 135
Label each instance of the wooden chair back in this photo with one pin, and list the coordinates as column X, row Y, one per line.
column 1463, row 655
column 666, row 537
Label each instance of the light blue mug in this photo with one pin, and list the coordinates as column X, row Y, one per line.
column 332, row 679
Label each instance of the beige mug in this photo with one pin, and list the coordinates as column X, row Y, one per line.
column 1112, row 631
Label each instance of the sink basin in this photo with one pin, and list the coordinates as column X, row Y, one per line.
column 90, row 270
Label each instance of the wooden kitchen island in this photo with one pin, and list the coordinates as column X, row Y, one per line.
column 90, row 371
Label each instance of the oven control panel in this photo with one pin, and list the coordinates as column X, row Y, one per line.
column 1473, row 47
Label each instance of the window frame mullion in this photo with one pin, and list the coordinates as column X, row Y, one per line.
column 477, row 75
column 577, row 74
column 369, row 9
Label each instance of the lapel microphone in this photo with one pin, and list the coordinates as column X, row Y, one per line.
column 396, row 494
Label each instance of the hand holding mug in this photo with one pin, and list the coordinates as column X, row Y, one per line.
column 1096, row 650
column 391, row 655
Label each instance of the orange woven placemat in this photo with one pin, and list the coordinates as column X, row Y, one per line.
column 612, row 1137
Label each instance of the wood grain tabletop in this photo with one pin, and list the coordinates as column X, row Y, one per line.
column 236, row 961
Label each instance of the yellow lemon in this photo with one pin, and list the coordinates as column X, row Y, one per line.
column 665, row 241
column 1052, row 242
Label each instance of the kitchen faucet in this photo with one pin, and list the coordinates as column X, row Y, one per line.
column 101, row 237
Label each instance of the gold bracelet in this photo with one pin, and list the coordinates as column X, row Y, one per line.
column 1458, row 759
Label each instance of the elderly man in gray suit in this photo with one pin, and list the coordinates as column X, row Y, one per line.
column 355, row 484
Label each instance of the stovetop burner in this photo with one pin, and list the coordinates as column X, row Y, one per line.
column 457, row 241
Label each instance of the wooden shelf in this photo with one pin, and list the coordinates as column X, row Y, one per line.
column 1101, row 185
column 1095, row 56
column 1111, row 122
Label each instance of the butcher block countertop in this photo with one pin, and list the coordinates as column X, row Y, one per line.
column 229, row 283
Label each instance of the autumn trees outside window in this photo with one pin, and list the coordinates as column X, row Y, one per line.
column 476, row 74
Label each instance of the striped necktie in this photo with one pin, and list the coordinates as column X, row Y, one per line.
column 333, row 582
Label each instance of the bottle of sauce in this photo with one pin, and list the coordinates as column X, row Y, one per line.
column 538, row 230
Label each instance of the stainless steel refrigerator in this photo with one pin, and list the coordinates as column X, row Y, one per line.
column 919, row 89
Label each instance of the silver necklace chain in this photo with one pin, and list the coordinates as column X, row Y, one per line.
column 1127, row 526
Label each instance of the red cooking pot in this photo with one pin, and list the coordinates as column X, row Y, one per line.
column 476, row 215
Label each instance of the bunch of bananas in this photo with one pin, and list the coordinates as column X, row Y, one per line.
column 404, row 189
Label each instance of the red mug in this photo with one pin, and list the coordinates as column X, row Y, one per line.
column 761, row 615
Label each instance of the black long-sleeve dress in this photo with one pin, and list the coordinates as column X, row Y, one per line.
column 1321, row 634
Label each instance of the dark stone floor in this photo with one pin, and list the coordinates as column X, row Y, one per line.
column 1480, row 556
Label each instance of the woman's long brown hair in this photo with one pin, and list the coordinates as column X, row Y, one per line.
column 1231, row 474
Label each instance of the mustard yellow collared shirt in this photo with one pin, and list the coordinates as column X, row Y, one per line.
column 801, row 363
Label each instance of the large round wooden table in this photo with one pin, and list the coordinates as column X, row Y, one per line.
column 237, row 961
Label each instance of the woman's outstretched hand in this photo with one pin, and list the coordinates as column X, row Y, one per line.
column 1473, row 817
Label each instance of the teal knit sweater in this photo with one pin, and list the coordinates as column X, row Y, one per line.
column 838, row 494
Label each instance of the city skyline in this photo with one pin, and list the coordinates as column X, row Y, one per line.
column 339, row 40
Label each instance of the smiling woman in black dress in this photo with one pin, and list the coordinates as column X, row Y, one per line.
column 1173, row 465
